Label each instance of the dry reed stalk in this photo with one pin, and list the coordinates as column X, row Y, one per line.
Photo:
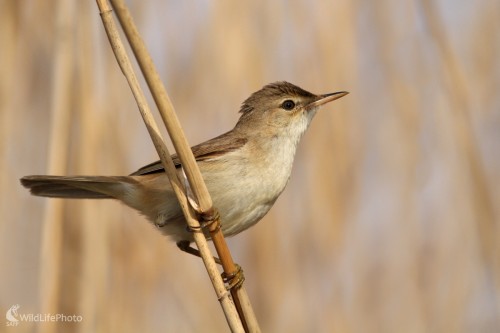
column 95, row 256
column 183, row 149
column 464, row 132
column 126, row 67
column 51, row 251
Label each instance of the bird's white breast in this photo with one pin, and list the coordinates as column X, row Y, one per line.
column 244, row 188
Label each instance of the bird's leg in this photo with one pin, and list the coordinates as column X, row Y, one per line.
column 233, row 280
column 185, row 246
column 211, row 221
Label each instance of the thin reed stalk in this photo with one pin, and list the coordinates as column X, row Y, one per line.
column 51, row 248
column 464, row 132
column 95, row 257
column 188, row 161
column 126, row 67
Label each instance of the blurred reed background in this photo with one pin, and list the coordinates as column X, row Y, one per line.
column 390, row 222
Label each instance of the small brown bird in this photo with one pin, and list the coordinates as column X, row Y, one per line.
column 245, row 169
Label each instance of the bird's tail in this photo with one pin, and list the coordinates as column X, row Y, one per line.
column 79, row 187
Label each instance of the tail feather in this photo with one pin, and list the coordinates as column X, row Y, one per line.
column 78, row 187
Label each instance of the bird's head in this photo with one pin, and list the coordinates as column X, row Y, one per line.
column 281, row 108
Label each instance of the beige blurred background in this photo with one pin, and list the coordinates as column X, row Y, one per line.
column 390, row 222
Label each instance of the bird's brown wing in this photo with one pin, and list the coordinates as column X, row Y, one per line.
column 207, row 150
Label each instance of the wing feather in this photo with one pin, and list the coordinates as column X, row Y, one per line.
column 204, row 151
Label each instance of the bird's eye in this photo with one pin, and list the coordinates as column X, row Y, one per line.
column 288, row 104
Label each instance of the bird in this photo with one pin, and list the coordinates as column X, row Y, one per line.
column 245, row 169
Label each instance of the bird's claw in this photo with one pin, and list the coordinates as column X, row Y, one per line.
column 234, row 279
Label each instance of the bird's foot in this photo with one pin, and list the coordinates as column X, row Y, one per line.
column 234, row 279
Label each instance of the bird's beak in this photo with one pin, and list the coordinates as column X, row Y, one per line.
column 323, row 99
